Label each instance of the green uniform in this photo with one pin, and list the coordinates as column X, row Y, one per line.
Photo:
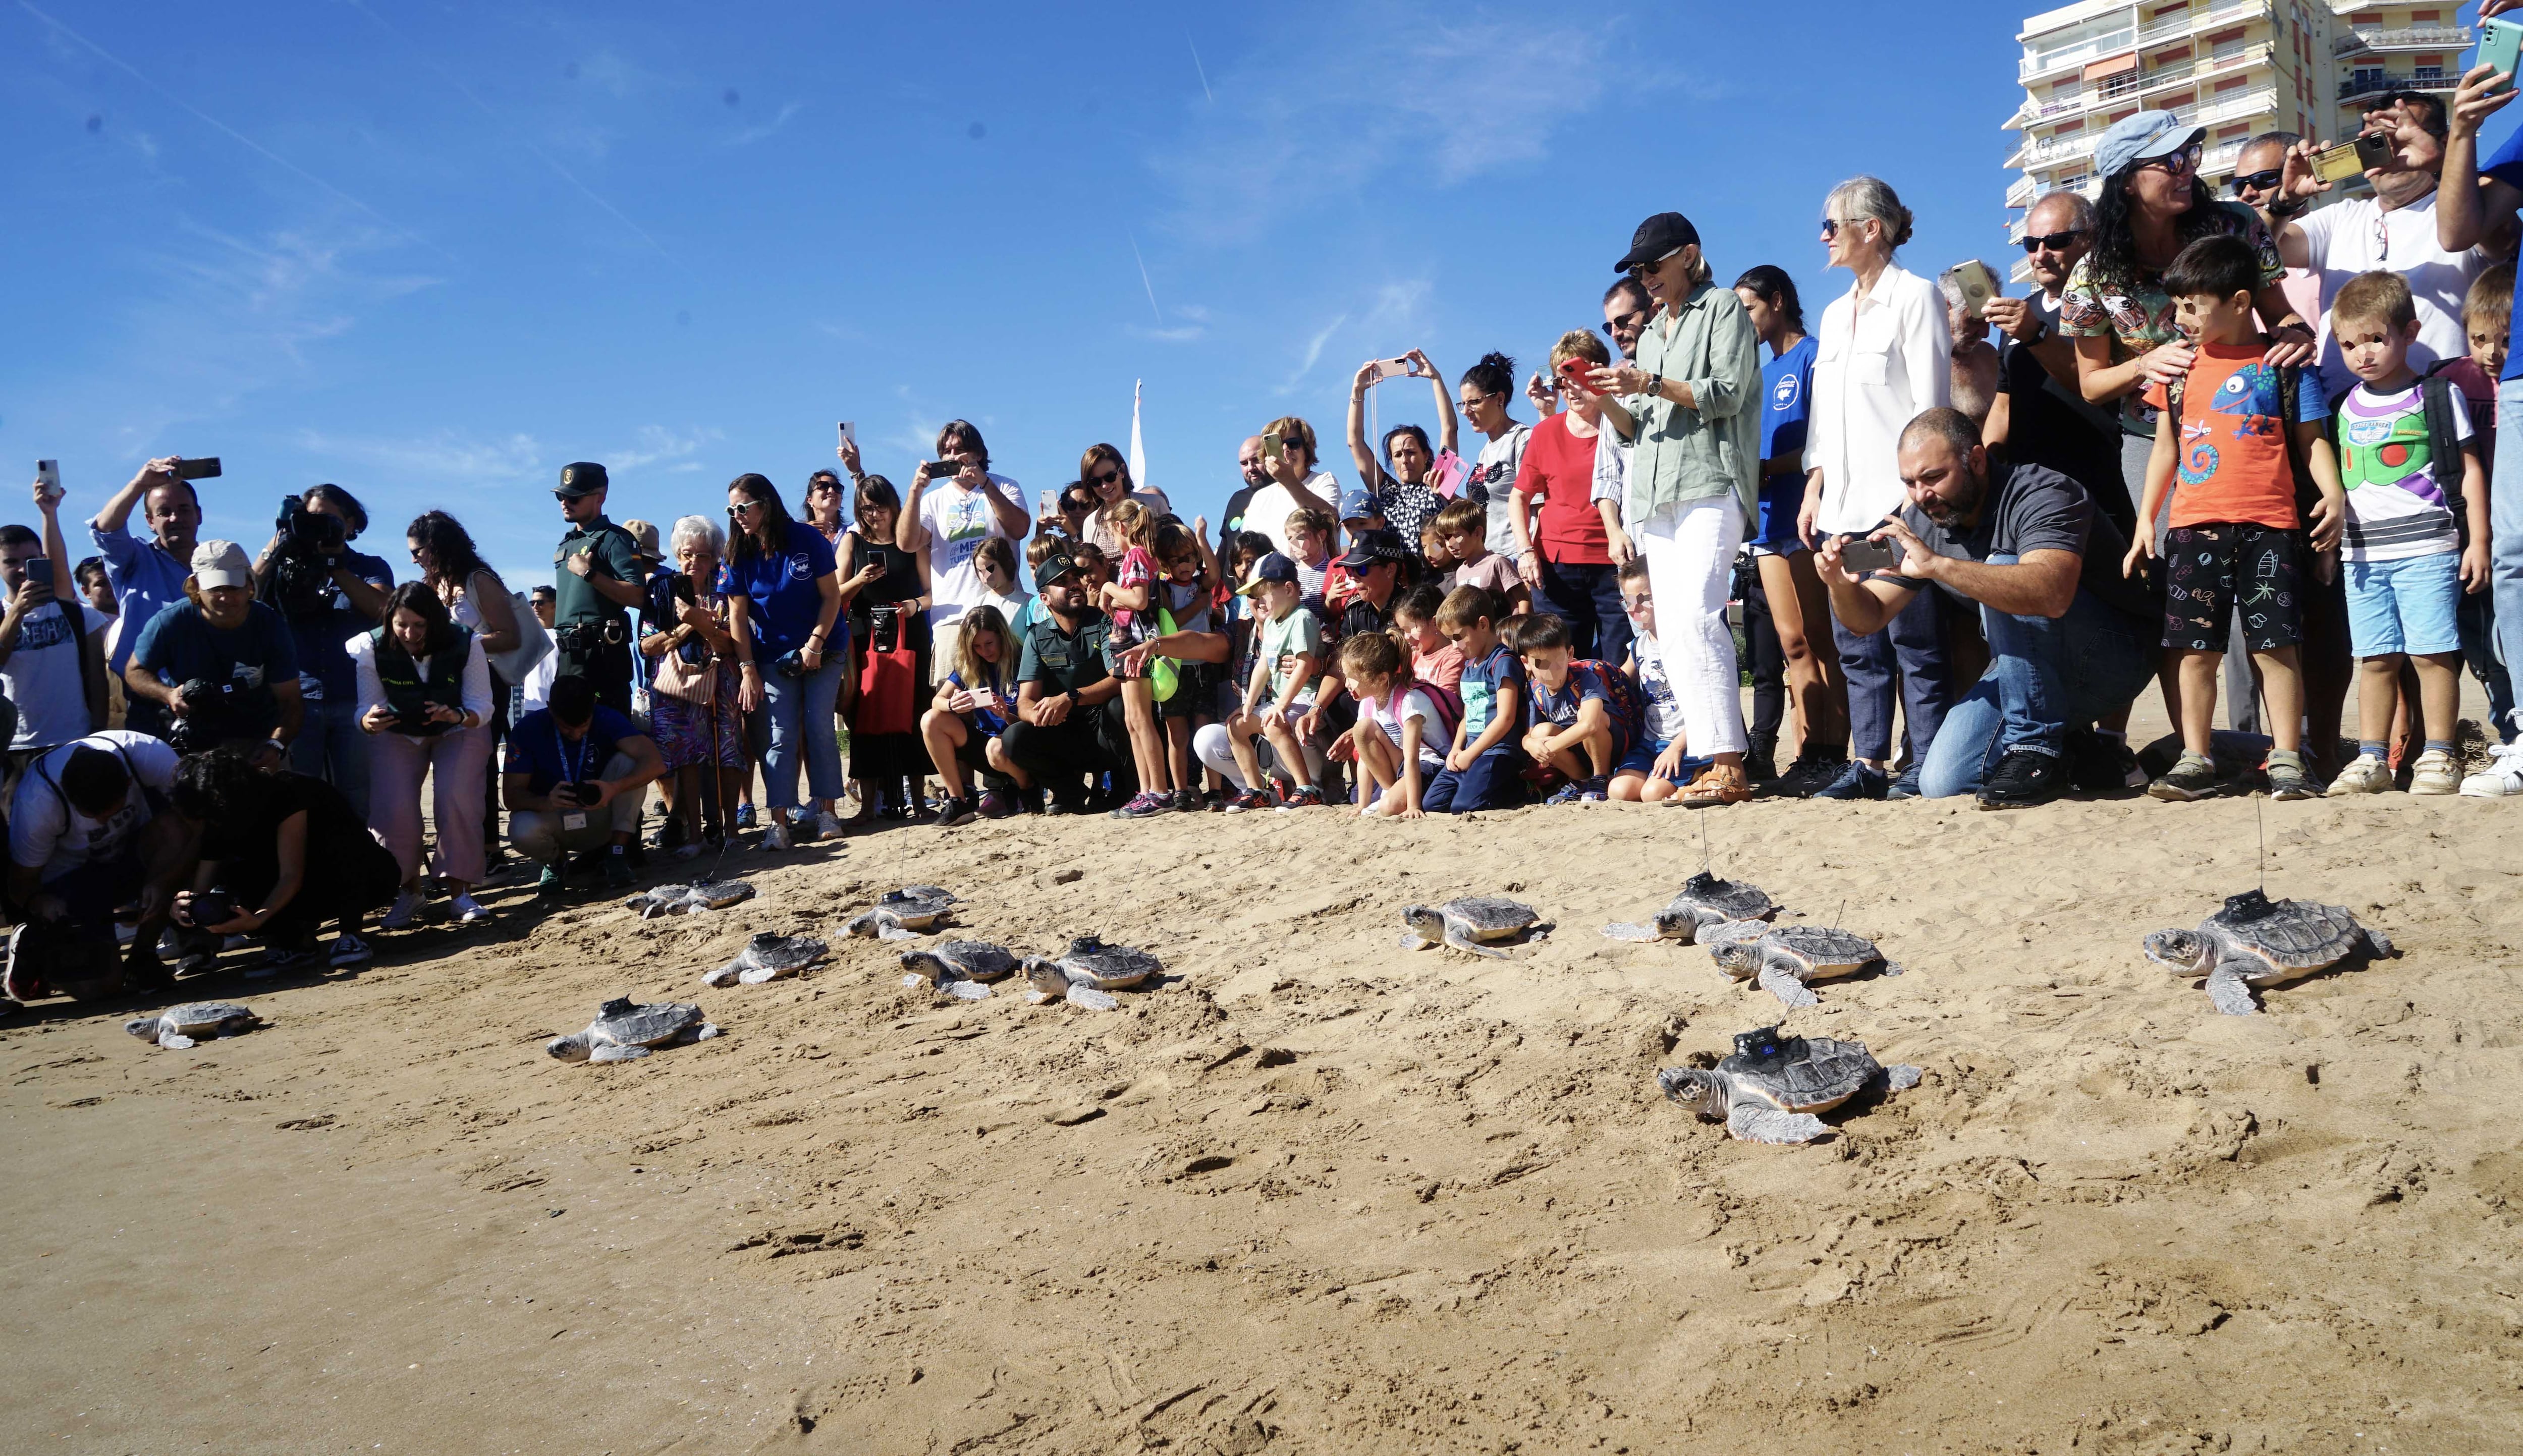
column 611, row 553
column 1064, row 661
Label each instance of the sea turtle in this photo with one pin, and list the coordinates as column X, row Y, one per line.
column 2259, row 941
column 1705, row 899
column 1769, row 1090
column 1783, row 957
column 899, row 914
column 1087, row 970
column 179, row 1026
column 1466, row 922
column 768, row 958
column 677, row 899
column 959, row 967
column 624, row 1029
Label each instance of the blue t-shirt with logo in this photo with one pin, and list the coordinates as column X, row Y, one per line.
column 1786, row 388
column 786, row 602
column 537, row 749
column 1480, row 685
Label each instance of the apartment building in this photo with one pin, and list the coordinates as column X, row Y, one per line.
column 2236, row 67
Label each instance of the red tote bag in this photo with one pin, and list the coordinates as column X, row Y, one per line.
column 889, row 694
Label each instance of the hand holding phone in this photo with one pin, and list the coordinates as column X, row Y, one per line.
column 2338, row 164
column 39, row 571
column 1273, row 447
column 2501, row 45
column 1977, row 284
column 48, row 480
column 1384, row 369
column 201, row 469
column 1862, row 554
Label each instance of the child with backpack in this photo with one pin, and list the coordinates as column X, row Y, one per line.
column 2416, row 532
column 2234, row 431
column 1585, row 716
column 1401, row 728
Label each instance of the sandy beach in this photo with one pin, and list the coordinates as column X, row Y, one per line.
column 1317, row 1192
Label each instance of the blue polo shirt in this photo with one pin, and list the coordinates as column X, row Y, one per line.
column 146, row 580
column 1786, row 389
column 786, row 599
column 537, row 749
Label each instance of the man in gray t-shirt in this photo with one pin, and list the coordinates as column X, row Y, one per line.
column 2069, row 638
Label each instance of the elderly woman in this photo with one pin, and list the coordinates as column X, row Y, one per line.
column 692, row 705
column 783, row 594
column 221, row 666
column 1405, row 482
column 425, row 685
column 1885, row 354
column 1690, row 400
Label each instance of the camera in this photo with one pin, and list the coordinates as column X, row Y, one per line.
column 310, row 546
column 214, row 713
column 213, row 908
column 788, row 664
column 884, row 626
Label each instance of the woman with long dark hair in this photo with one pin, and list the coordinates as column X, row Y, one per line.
column 444, row 551
column 1404, row 483
column 1106, row 471
column 1485, row 390
column 887, row 612
column 783, row 594
column 425, row 704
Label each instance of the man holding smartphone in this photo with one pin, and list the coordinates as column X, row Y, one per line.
column 51, row 645
column 148, row 576
column 576, row 774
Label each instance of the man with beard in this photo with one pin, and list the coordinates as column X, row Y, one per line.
column 2070, row 640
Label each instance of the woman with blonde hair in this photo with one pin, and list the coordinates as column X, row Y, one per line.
column 973, row 705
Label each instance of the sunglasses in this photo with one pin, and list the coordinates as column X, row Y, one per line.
column 2266, row 181
column 1831, row 227
column 2177, row 163
column 743, row 507
column 1640, row 270
column 1106, row 477
column 1071, row 505
column 2055, row 242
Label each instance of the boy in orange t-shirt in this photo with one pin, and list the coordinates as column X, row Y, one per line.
column 2237, row 541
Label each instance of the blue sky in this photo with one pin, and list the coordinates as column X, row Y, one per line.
column 433, row 253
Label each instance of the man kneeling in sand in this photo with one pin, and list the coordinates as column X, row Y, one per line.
column 2070, row 640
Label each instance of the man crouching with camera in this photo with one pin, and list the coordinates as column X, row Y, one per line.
column 329, row 593
column 2069, row 645
column 598, row 578
column 576, row 774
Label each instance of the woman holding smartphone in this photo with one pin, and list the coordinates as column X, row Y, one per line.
column 783, row 594
column 972, row 707
column 1407, row 489
column 882, row 575
column 424, row 684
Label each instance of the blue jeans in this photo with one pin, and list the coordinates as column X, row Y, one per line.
column 331, row 746
column 1912, row 643
column 798, row 711
column 1490, row 783
column 1588, row 597
column 2045, row 676
column 2505, row 529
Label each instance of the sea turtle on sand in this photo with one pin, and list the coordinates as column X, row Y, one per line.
column 1705, row 899
column 1769, row 1090
column 179, row 1026
column 900, row 915
column 678, row 900
column 959, row 967
column 2256, row 941
column 768, row 958
column 624, row 1029
column 1087, row 970
column 1467, row 922
column 1783, row 957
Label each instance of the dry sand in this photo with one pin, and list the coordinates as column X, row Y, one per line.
column 1319, row 1193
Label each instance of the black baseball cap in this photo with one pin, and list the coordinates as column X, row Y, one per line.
column 1382, row 543
column 1054, row 566
column 581, row 478
column 1658, row 237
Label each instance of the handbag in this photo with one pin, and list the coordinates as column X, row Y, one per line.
column 888, row 693
column 534, row 643
column 685, row 682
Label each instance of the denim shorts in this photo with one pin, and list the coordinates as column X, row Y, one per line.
column 1781, row 497
column 2410, row 605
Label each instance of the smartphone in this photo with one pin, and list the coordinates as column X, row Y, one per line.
column 1861, row 555
column 1574, row 371
column 1978, row 286
column 1272, row 446
column 1390, row 369
column 197, row 470
column 848, row 434
column 48, row 474
column 2500, row 44
column 939, row 470
column 984, row 698
column 1049, row 509
column 2338, row 164
column 39, row 570
column 2375, row 149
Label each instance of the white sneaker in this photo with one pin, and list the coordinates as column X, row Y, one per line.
column 2503, row 775
column 2435, row 773
column 350, row 950
column 827, row 825
column 778, row 836
column 2367, row 774
column 685, row 852
column 406, row 908
column 469, row 910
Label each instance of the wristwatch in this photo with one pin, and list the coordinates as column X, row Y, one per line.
column 2043, row 325
column 1656, row 383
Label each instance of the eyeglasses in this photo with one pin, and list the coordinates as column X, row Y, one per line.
column 2177, row 163
column 2264, row 181
column 2055, row 242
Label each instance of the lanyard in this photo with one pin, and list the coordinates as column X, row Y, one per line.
column 560, row 745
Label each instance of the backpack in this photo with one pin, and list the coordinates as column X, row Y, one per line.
column 1629, row 706
column 2439, row 397
column 1449, row 703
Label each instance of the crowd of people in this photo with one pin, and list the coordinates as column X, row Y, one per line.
column 2225, row 444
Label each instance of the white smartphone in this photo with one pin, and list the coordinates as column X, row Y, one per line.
column 48, row 474
column 849, row 436
column 1050, row 510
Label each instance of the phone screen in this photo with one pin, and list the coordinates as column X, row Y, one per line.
column 39, row 570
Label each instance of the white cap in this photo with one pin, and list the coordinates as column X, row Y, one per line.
column 221, row 563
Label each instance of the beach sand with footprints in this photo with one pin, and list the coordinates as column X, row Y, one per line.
column 1317, row 1192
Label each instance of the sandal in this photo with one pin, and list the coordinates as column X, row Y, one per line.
column 1718, row 785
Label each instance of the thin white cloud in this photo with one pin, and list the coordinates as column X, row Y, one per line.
column 446, row 457
column 1183, row 335
column 1313, row 353
column 751, row 134
column 655, row 446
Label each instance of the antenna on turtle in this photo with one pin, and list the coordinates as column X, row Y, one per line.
column 1838, row 913
column 2260, row 818
column 1704, row 844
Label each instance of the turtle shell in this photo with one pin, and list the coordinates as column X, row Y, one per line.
column 718, row 894
column 1820, row 947
column 1808, row 1074
column 1491, row 915
column 782, row 952
column 2299, row 935
column 630, row 1023
column 1090, row 961
column 977, row 959
column 1731, row 898
column 197, row 1017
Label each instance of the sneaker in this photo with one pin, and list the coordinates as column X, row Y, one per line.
column 278, row 959
column 827, row 825
column 2193, row 778
column 1186, row 801
column 778, row 836
column 617, row 871
column 685, row 851
column 406, row 909
column 2436, row 773
column 1143, row 805
column 1907, row 786
column 548, row 885
column 1811, row 773
column 1581, row 791
column 1855, row 781
column 2502, row 778
column 1718, row 785
column 1761, row 760
column 1248, row 801
column 1308, row 797
column 996, row 805
column 471, row 911
column 349, row 949
column 2287, row 778
column 954, row 810
column 142, row 970
column 19, row 982
column 2366, row 774
column 744, row 816
column 2022, row 780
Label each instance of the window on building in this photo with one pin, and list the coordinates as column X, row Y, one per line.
column 2227, row 50
column 2426, row 72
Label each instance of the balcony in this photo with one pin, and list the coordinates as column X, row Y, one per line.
column 2411, row 38
column 2044, row 62
column 2052, row 151
column 2021, row 194
column 2122, row 88
column 2378, row 83
column 2228, row 106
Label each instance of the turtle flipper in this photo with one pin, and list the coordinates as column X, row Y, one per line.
column 1901, row 1077
column 894, row 932
column 2379, row 945
column 966, row 990
column 2229, row 991
column 172, row 1040
column 1459, row 941
column 1890, row 968
column 1787, row 987
column 1410, row 942
column 1755, row 1123
column 1628, row 931
column 725, row 975
column 617, row 1051
column 1087, row 998
column 755, row 976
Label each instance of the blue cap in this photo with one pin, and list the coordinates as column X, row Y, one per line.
column 1358, row 502
column 2138, row 137
column 1272, row 567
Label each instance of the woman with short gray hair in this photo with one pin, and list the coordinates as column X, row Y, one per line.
column 693, row 711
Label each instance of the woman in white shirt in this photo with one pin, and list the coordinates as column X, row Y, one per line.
column 1293, row 483
column 1485, row 390
column 424, row 700
column 1885, row 353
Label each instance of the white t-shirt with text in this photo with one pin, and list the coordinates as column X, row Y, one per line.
column 42, row 675
column 46, row 833
column 957, row 521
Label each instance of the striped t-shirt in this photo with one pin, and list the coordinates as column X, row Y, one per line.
column 2396, row 509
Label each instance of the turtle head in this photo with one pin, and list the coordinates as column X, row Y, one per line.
column 867, row 925
column 1425, row 921
column 1677, row 924
column 2186, row 952
column 1701, row 1091
column 1044, row 976
column 929, row 965
column 1735, row 944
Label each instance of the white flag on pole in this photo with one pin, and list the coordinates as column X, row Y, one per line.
column 1138, row 456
